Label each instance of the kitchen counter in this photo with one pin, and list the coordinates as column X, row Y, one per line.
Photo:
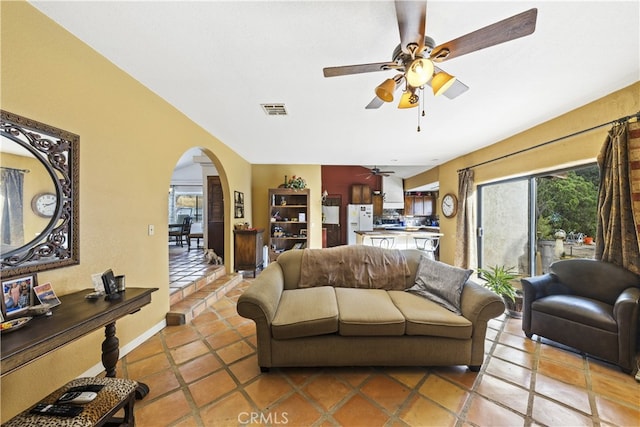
column 383, row 227
column 395, row 237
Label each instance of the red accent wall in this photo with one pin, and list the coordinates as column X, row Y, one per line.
column 337, row 180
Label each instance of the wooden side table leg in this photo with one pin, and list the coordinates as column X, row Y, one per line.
column 110, row 350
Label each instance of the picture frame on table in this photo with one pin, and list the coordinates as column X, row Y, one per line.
column 17, row 294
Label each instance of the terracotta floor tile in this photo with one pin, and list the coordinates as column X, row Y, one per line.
column 247, row 329
column 267, row 389
column 160, row 383
column 327, row 390
column 568, row 394
column 552, row 414
column 359, row 412
column 300, row 376
column 163, row 411
column 562, row 356
column 210, row 328
column 209, row 388
column 148, row 348
column 617, row 413
column 521, row 343
column 513, row 355
column 458, row 374
column 235, row 351
column 188, row 351
column 387, row 392
column 408, row 376
column 353, row 375
column 204, row 318
column 223, row 339
column 295, row 411
column 482, row 412
column 507, row 394
column 232, row 410
column 422, row 412
column 562, row 372
column 513, row 326
column 148, row 366
column 508, row 371
column 246, row 369
column 185, row 336
column 445, row 393
column 199, row 367
column 613, row 387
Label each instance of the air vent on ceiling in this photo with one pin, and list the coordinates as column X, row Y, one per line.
column 274, row 109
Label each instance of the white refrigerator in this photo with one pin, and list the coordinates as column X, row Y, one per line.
column 359, row 218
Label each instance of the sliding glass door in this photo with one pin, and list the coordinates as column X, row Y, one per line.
column 530, row 222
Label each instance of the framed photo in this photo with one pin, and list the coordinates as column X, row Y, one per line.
column 303, row 231
column 17, row 294
column 238, row 200
column 46, row 295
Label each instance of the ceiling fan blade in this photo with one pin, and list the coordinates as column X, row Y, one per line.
column 375, row 103
column 506, row 30
column 355, row 69
column 456, row 89
column 411, row 17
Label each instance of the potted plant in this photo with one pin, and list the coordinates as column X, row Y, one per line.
column 498, row 279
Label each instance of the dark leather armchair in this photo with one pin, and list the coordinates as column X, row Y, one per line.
column 589, row 305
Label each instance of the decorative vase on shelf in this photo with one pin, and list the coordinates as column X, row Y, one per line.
column 283, row 201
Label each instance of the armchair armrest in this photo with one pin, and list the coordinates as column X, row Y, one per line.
column 534, row 288
column 625, row 313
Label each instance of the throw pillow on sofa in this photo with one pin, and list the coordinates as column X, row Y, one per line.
column 441, row 283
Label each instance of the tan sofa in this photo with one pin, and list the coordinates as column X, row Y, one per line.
column 354, row 324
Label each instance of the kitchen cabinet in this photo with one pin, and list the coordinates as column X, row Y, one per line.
column 419, row 205
column 247, row 252
column 361, row 194
column 289, row 216
column 377, row 205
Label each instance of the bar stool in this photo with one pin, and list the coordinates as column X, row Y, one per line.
column 428, row 245
column 385, row 242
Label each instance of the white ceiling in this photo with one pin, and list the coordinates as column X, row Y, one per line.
column 217, row 61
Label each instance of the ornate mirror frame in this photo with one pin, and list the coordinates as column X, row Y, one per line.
column 57, row 246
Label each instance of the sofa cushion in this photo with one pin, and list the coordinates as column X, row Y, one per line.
column 441, row 283
column 368, row 312
column 425, row 317
column 578, row 309
column 306, row 312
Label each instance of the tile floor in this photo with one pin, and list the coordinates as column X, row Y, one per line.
column 205, row 373
column 186, row 266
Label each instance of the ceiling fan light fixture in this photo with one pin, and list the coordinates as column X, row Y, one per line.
column 441, row 82
column 408, row 100
column 385, row 90
column 419, row 72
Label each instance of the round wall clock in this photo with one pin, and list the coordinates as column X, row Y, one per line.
column 449, row 205
column 44, row 204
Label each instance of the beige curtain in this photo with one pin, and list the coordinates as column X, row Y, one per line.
column 465, row 255
column 618, row 239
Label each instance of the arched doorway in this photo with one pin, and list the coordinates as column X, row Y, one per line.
column 195, row 192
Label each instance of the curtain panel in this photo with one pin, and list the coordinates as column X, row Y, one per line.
column 465, row 254
column 617, row 239
column 11, row 210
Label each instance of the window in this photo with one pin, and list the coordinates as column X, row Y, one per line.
column 184, row 201
column 530, row 222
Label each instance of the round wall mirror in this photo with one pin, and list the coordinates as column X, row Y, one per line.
column 38, row 196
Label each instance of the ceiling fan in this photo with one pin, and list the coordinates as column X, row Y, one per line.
column 375, row 171
column 413, row 59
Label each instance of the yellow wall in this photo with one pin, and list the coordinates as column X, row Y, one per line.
column 271, row 176
column 573, row 151
column 130, row 141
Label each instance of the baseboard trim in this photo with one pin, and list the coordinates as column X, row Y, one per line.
column 98, row 368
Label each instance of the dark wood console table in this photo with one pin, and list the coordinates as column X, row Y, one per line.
column 74, row 318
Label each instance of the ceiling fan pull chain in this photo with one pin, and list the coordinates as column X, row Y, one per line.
column 421, row 101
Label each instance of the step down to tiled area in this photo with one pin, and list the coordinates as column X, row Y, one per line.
column 189, row 301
